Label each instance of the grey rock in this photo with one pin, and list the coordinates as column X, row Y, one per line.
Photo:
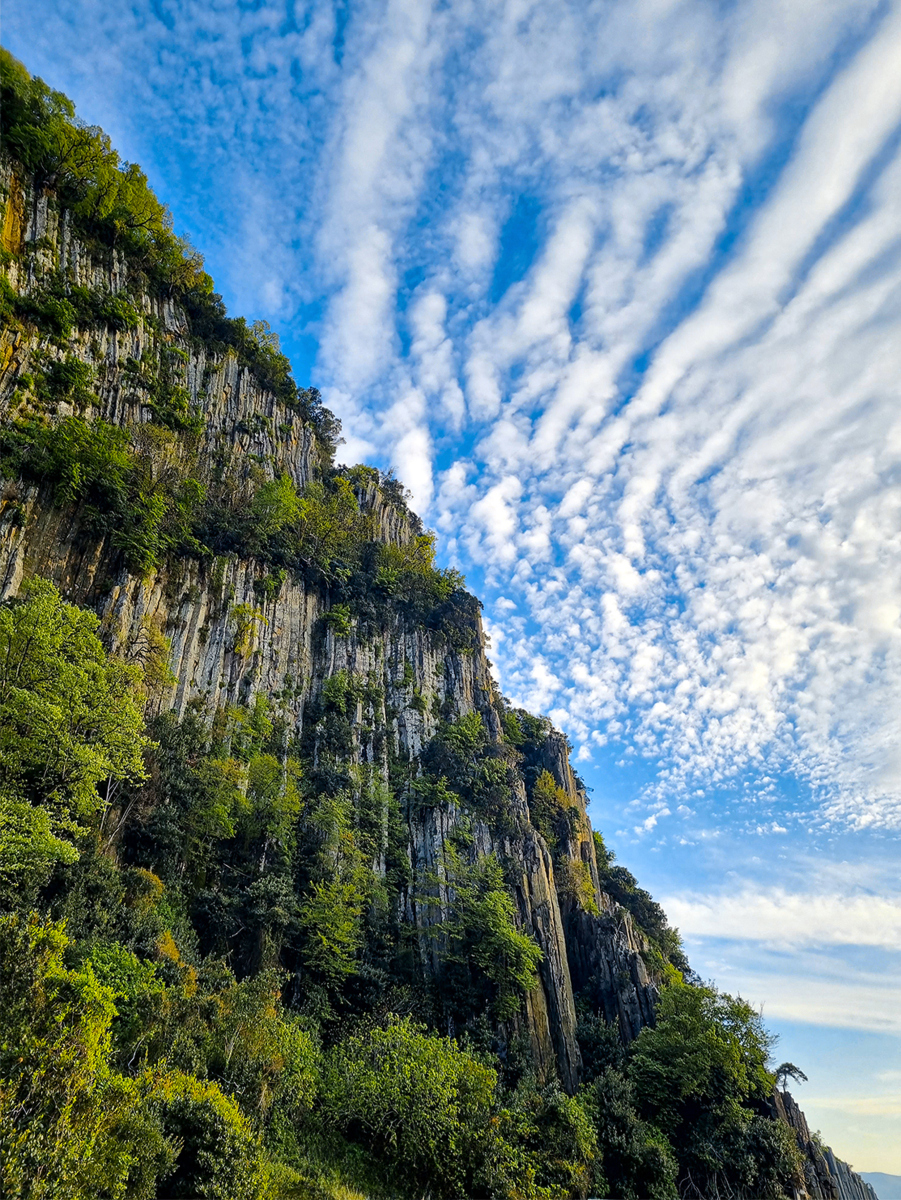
column 286, row 652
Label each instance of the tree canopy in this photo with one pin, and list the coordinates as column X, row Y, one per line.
column 71, row 730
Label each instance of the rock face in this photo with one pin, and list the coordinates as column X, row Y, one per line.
column 887, row 1187
column 230, row 642
column 826, row 1177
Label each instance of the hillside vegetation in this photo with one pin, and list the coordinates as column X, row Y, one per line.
column 293, row 903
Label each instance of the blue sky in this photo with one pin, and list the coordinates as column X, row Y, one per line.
column 616, row 288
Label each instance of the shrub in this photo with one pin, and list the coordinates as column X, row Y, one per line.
column 70, row 1127
column 638, row 1160
column 621, row 884
column 95, row 464
column 338, row 618
column 551, row 809
column 550, row 1143
column 220, row 1155
column 419, row 1101
column 68, row 380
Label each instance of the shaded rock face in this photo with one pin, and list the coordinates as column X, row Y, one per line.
column 605, row 952
column 220, row 656
column 825, row 1176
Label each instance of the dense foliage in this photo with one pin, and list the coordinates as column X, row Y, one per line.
column 70, row 733
column 146, row 1045
column 141, row 489
column 211, row 983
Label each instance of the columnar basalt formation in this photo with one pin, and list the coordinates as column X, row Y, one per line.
column 825, row 1176
column 218, row 655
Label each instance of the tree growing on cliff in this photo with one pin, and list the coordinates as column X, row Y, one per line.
column 786, row 1071
column 480, row 931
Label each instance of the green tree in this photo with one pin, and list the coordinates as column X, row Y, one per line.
column 220, row 1155
column 71, row 730
column 706, row 1049
column 193, row 801
column 273, row 803
column 419, row 1101
column 258, row 1052
column 786, row 1071
column 332, row 907
column 638, row 1160
column 543, row 1147
column 480, row 930
column 329, row 527
column 29, row 848
column 700, row 1076
column 466, row 734
column 550, row 809
column 275, row 505
column 70, row 1127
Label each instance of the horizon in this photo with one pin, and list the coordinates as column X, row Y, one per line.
column 619, row 303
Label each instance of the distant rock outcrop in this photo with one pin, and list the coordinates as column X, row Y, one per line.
column 826, row 1177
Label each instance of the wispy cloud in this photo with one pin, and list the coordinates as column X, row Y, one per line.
column 707, row 540
column 782, row 918
column 872, row 1106
column 865, row 1006
column 617, row 290
column 617, row 293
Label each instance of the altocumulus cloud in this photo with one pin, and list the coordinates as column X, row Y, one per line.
column 616, row 288
column 656, row 304
column 684, row 433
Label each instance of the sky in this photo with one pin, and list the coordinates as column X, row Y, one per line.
column 616, row 289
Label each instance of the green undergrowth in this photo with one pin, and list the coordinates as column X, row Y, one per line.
column 212, row 981
column 210, row 988
column 58, row 308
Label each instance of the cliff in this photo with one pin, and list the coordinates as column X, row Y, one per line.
column 236, row 628
column 825, row 1176
column 312, row 909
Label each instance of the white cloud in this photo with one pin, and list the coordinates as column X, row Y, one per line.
column 778, row 917
column 869, row 1106
column 476, row 240
column 830, row 1001
column 494, row 519
column 433, row 352
column 676, row 394
column 413, row 460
